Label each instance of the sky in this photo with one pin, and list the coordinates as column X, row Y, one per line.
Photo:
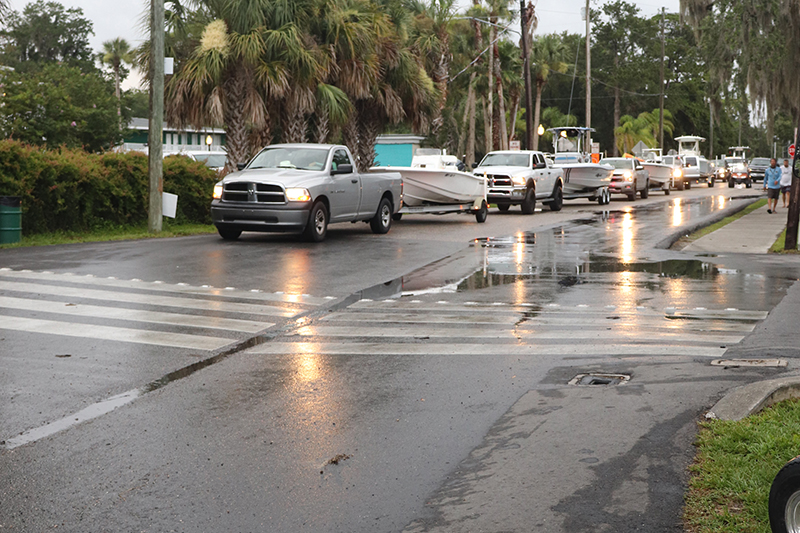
column 113, row 18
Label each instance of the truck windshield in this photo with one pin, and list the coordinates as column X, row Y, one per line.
column 299, row 158
column 506, row 160
column 760, row 161
column 621, row 164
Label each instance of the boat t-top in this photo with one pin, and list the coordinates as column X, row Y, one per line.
column 697, row 166
column 580, row 173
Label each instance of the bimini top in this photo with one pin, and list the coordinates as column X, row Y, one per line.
column 571, row 131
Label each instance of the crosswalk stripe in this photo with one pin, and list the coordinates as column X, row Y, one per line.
column 303, row 299
column 148, row 299
column 416, row 317
column 137, row 315
column 384, row 348
column 72, row 329
column 438, row 332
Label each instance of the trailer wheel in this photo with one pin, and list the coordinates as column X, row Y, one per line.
column 666, row 191
column 482, row 213
column 229, row 234
column 688, row 184
column 680, row 185
column 503, row 207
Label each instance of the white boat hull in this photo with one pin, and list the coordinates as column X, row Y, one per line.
column 660, row 175
column 427, row 186
column 584, row 177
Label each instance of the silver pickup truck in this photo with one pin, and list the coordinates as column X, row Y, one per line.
column 302, row 188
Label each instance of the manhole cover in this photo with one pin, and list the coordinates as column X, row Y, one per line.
column 750, row 362
column 599, row 380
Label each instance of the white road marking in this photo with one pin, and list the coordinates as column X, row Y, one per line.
column 147, row 299
column 181, row 288
column 383, row 348
column 138, row 315
column 72, row 329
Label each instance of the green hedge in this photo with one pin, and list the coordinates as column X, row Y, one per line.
column 71, row 190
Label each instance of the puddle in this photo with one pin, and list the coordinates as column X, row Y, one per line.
column 671, row 268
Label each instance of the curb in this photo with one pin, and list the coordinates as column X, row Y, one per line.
column 746, row 400
column 668, row 241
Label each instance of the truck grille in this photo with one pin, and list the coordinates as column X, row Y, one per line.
column 499, row 180
column 262, row 193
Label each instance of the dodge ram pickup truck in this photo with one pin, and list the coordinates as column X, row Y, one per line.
column 302, row 188
column 520, row 177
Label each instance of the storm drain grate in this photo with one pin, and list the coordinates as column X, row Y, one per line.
column 599, row 380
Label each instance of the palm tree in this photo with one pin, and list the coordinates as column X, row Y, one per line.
column 632, row 130
column 548, row 53
column 115, row 53
column 240, row 66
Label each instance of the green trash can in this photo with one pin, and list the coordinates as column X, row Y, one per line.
column 10, row 219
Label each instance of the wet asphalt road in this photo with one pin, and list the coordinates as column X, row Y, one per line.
column 443, row 408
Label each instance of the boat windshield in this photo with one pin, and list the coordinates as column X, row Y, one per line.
column 618, row 163
column 734, row 161
column 668, row 160
column 299, row 158
column 567, row 158
column 506, row 160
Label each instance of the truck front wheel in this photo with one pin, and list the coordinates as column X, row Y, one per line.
column 382, row 221
column 558, row 199
column 317, row 227
column 529, row 202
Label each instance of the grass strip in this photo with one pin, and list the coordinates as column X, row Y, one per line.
column 111, row 233
column 734, row 468
column 777, row 246
column 702, row 232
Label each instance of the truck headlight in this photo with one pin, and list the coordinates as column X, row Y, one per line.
column 217, row 191
column 518, row 180
column 627, row 175
column 677, row 173
column 296, row 194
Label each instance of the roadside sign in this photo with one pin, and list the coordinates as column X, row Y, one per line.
column 514, row 145
column 791, row 150
column 595, row 148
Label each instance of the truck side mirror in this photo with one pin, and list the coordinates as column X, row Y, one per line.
column 474, row 165
column 342, row 169
column 240, row 166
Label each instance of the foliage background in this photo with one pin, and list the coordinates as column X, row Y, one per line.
column 72, row 190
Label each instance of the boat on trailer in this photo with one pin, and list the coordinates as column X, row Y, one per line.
column 433, row 184
column 582, row 177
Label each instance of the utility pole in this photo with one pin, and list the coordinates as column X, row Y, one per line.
column 793, row 218
column 526, row 69
column 588, row 147
column 154, row 140
column 661, row 99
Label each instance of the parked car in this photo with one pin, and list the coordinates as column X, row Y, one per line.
column 302, row 188
column 757, row 167
column 739, row 172
column 629, row 177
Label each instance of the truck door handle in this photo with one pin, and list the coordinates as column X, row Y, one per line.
column 353, row 181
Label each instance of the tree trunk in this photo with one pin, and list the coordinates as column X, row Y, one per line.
column 237, row 142
column 501, row 103
column 119, row 96
column 490, row 142
column 537, row 114
column 512, row 116
column 470, row 153
column 487, row 127
column 323, row 128
column 462, row 135
column 293, row 121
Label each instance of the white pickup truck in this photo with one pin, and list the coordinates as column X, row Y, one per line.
column 521, row 177
column 303, row 188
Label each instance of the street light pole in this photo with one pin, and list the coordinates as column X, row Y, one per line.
column 588, row 147
column 526, row 68
column 154, row 141
column 661, row 97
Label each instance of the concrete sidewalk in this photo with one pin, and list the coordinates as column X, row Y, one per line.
column 754, row 233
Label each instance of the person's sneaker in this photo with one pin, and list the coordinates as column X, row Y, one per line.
column 769, row 211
